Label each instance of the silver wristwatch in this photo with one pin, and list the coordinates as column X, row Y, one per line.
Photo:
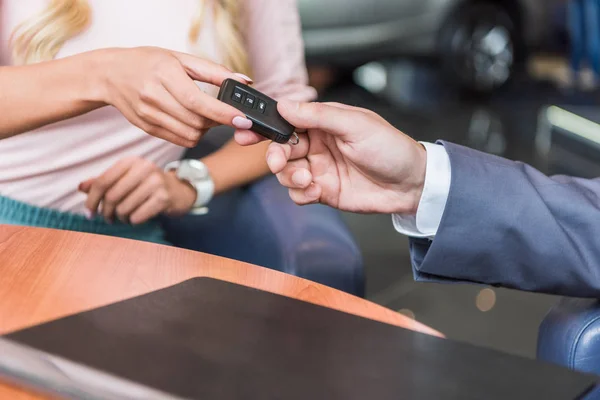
column 196, row 173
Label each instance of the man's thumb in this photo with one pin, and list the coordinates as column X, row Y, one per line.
column 333, row 120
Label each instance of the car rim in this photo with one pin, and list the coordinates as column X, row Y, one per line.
column 485, row 54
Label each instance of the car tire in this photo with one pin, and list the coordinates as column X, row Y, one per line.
column 480, row 47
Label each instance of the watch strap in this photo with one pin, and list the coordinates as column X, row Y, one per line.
column 204, row 188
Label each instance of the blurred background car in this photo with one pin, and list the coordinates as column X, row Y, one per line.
column 480, row 44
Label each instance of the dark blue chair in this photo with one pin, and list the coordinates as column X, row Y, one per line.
column 570, row 336
column 261, row 225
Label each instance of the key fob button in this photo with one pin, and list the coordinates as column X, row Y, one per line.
column 262, row 106
column 259, row 107
column 249, row 102
column 237, row 96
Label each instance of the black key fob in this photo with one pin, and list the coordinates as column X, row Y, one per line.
column 260, row 109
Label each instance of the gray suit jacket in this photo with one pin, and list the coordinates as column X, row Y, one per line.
column 507, row 224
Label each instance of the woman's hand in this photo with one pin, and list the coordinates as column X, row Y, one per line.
column 135, row 190
column 155, row 90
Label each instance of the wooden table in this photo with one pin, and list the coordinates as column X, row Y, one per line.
column 48, row 274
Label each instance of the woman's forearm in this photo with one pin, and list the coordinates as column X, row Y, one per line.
column 233, row 165
column 32, row 96
column 152, row 87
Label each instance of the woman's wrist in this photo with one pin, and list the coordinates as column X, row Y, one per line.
column 100, row 66
column 183, row 194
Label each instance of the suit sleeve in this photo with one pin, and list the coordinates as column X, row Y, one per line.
column 507, row 224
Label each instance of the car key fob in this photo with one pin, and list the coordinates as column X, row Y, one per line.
column 260, row 109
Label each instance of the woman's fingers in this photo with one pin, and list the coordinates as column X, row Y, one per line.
column 207, row 71
column 124, row 186
column 154, row 205
column 158, row 118
column 157, row 131
column 103, row 183
column 85, row 186
column 189, row 95
column 139, row 196
column 164, row 101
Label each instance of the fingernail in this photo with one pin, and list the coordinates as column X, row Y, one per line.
column 244, row 77
column 88, row 214
column 242, row 123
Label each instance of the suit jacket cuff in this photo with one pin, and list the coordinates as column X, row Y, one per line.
column 433, row 200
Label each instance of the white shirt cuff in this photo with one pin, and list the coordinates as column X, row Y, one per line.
column 433, row 200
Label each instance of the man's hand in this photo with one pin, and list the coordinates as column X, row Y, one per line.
column 135, row 191
column 349, row 158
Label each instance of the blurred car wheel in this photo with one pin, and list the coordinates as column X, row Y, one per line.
column 480, row 47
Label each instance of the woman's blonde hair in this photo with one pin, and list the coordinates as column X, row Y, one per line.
column 42, row 36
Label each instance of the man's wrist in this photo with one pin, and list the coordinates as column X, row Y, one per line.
column 419, row 180
column 434, row 195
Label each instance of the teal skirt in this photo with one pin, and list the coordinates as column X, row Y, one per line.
column 14, row 212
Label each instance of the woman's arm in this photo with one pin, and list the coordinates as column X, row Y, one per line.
column 279, row 71
column 35, row 95
column 233, row 165
column 150, row 86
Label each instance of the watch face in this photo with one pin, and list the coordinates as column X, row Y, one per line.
column 192, row 170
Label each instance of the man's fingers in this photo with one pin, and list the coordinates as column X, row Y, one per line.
column 279, row 154
column 369, row 113
column 310, row 195
column 296, row 175
column 248, row 138
column 335, row 120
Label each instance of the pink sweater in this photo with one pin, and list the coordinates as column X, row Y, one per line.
column 45, row 166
